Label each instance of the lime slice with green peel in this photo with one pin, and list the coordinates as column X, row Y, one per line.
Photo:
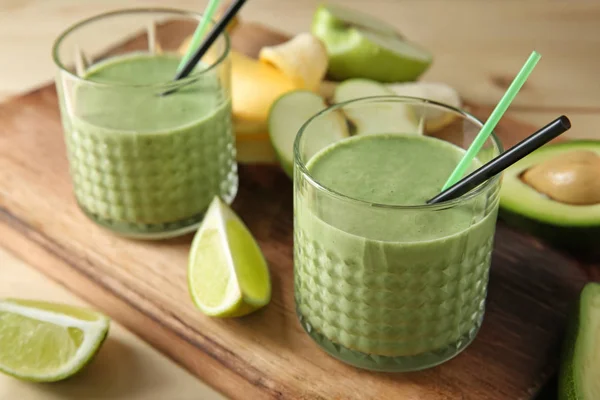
column 47, row 342
column 580, row 365
column 227, row 273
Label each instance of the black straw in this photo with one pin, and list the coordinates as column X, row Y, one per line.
column 493, row 167
column 208, row 41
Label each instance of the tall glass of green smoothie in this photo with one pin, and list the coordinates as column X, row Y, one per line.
column 382, row 280
column 145, row 164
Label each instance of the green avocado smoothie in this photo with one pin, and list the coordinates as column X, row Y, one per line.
column 142, row 162
column 381, row 280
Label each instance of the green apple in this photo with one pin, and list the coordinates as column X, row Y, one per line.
column 375, row 117
column 287, row 115
column 435, row 119
column 361, row 46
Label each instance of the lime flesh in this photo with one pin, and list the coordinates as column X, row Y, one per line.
column 227, row 273
column 47, row 342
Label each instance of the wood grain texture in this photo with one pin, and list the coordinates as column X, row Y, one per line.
column 264, row 355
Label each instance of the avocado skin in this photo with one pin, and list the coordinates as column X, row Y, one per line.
column 583, row 242
column 569, row 384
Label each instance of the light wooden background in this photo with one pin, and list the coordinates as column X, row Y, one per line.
column 478, row 46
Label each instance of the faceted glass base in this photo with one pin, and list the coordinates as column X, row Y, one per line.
column 148, row 231
column 161, row 230
column 375, row 362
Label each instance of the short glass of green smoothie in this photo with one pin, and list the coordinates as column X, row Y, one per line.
column 145, row 164
column 382, row 280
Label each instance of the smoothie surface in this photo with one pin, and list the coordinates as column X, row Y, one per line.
column 391, row 169
column 386, row 169
column 130, row 108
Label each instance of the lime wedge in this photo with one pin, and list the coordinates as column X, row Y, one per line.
column 47, row 342
column 227, row 274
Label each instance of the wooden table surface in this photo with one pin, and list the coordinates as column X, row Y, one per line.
column 478, row 45
column 126, row 369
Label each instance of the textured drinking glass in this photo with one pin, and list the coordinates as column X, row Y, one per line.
column 142, row 164
column 379, row 298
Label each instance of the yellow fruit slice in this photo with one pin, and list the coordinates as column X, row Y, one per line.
column 47, row 342
column 303, row 59
column 255, row 86
column 253, row 143
column 250, row 130
column 227, row 274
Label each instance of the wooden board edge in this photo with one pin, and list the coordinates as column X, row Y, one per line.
column 34, row 248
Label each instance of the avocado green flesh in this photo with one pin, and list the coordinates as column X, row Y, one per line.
column 516, row 197
column 581, row 358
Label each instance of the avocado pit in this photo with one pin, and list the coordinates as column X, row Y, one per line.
column 571, row 178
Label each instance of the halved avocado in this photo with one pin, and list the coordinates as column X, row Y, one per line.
column 528, row 204
column 580, row 362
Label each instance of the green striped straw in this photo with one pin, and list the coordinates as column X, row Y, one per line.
column 493, row 120
column 207, row 16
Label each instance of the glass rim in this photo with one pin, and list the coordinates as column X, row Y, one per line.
column 142, row 10
column 413, row 207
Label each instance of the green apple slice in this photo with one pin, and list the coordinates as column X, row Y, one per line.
column 375, row 118
column 435, row 119
column 338, row 15
column 361, row 46
column 289, row 113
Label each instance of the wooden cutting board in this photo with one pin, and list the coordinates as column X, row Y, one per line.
column 267, row 354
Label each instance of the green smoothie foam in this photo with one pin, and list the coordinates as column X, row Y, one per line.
column 140, row 161
column 375, row 284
